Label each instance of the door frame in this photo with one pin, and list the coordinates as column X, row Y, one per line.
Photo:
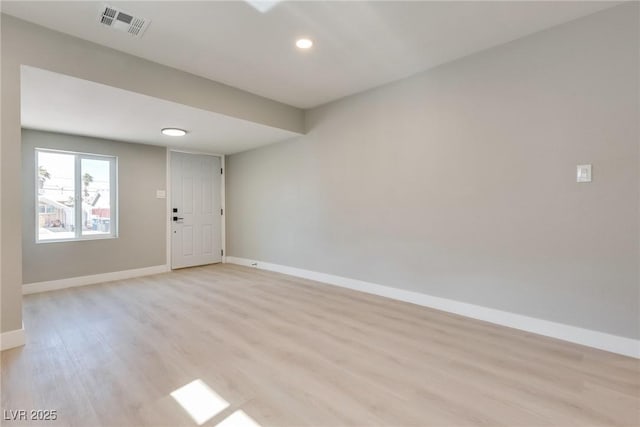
column 169, row 203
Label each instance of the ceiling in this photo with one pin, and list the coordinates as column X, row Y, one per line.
column 358, row 45
column 59, row 103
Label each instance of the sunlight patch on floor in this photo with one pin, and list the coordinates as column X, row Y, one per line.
column 238, row 419
column 199, row 401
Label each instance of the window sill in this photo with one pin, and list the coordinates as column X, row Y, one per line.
column 75, row 239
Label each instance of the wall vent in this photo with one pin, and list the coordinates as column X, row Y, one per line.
column 123, row 21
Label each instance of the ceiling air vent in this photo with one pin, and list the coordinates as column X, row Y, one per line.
column 123, row 21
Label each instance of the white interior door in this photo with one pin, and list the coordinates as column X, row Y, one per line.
column 196, row 216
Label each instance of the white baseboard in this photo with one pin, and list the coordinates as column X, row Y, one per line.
column 32, row 288
column 574, row 334
column 11, row 339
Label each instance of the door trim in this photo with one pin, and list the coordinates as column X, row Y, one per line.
column 169, row 203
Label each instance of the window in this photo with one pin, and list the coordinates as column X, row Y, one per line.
column 76, row 196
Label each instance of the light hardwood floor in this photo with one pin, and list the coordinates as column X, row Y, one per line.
column 291, row 352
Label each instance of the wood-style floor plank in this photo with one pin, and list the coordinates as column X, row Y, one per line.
column 292, row 352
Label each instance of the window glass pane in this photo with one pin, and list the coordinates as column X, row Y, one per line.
column 56, row 190
column 96, row 196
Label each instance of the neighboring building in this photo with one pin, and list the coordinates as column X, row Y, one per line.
column 55, row 216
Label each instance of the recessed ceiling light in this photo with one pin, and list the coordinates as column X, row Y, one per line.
column 173, row 132
column 304, row 43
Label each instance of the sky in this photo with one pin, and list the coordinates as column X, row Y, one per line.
column 61, row 168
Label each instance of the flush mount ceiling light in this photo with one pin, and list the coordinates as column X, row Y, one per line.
column 304, row 43
column 263, row 5
column 173, row 132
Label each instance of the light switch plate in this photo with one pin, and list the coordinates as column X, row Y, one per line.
column 583, row 173
column 161, row 194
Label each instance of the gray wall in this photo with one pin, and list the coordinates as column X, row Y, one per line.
column 460, row 182
column 142, row 217
column 23, row 43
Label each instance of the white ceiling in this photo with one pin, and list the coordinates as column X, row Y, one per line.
column 59, row 103
column 358, row 45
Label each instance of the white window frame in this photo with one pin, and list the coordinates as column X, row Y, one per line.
column 113, row 193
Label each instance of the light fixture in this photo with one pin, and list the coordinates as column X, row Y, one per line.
column 263, row 5
column 173, row 132
column 304, row 43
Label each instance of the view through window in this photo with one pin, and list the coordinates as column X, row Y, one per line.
column 76, row 196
